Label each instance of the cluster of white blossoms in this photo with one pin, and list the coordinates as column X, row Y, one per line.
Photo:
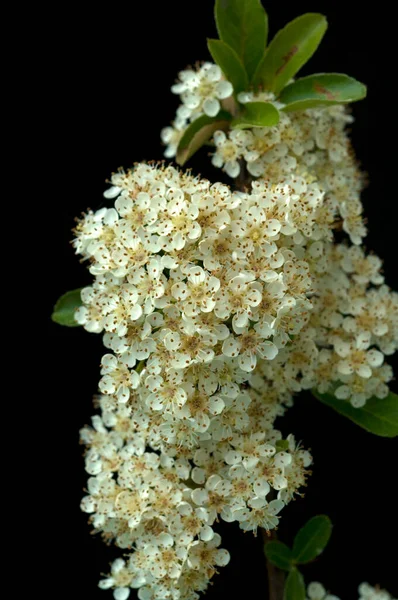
column 217, row 306
column 316, row 591
column 188, row 276
column 201, row 91
column 312, row 143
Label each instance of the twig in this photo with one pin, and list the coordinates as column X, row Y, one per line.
column 276, row 577
column 243, row 180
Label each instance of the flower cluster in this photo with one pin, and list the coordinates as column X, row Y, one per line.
column 194, row 287
column 201, row 91
column 312, row 143
column 216, row 307
column 316, row 591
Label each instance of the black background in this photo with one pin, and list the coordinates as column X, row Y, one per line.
column 107, row 101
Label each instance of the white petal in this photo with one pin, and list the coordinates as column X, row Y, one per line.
column 206, row 533
column 232, row 168
column 109, row 362
column 112, row 192
column 106, row 584
column 224, row 89
column 219, row 138
column 375, row 358
column 343, row 392
column 275, row 506
column 172, row 341
column 216, row 405
column 211, row 106
column 282, row 459
column 279, row 482
column 135, row 312
column 196, row 275
column 364, row 371
column 199, row 496
column 217, row 161
column 247, row 361
column 261, row 487
column 231, row 347
column 267, row 350
column 111, row 217
column 222, row 558
column 198, row 476
column 345, row 368
column 316, row 591
column 121, row 593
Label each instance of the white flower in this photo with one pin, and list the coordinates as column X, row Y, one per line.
column 356, row 356
column 367, row 592
column 233, row 418
column 190, row 522
column 238, row 298
column 166, row 392
column 117, row 378
column 228, row 152
column 215, row 497
column 364, row 269
column 316, row 591
column 202, row 90
column 248, row 450
column 217, row 250
column 149, row 285
column 172, row 135
column 259, row 514
column 136, row 210
column 197, row 294
column 250, row 344
column 207, row 555
column 219, row 306
column 259, row 141
column 188, row 347
column 200, row 407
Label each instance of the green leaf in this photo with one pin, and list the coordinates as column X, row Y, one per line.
column 378, row 416
column 243, row 25
column 312, row 539
column 279, row 554
column 281, row 445
column 294, row 586
column 65, row 308
column 290, row 49
column 323, row 89
column 197, row 134
column 230, row 64
column 256, row 114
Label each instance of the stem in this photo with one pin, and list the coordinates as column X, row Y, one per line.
column 243, row 180
column 276, row 577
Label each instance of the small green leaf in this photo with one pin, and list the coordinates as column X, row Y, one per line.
column 378, row 416
column 230, row 64
column 323, row 89
column 312, row 539
column 198, row 133
column 294, row 586
column 279, row 554
column 65, row 307
column 256, row 114
column 281, row 445
column 243, row 25
column 290, row 49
